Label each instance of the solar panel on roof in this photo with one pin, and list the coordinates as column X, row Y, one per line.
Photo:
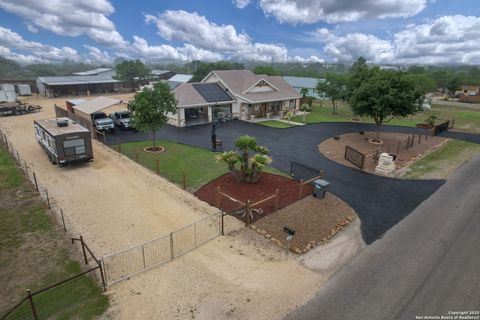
column 212, row 92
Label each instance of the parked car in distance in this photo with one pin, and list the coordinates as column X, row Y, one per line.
column 121, row 119
column 101, row 122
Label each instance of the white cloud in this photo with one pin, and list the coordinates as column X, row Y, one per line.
column 334, row 11
column 446, row 40
column 31, row 50
column 240, row 4
column 69, row 18
column 224, row 40
column 20, row 58
column 98, row 56
column 311, row 59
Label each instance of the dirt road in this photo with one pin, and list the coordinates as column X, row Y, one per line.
column 114, row 203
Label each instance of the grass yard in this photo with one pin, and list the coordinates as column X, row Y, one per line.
column 275, row 124
column 442, row 162
column 198, row 164
column 35, row 254
column 467, row 120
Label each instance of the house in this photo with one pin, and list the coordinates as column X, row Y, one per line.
column 81, row 83
column 298, row 83
column 233, row 94
column 162, row 74
column 178, row 79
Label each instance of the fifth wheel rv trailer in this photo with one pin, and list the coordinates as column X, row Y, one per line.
column 64, row 141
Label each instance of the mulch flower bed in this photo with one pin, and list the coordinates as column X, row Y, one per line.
column 335, row 149
column 265, row 187
column 315, row 222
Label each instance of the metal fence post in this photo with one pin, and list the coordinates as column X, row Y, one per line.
column 184, row 180
column 143, row 254
column 35, row 180
column 63, row 221
column 30, row 299
column 48, row 199
column 83, row 250
column 172, row 253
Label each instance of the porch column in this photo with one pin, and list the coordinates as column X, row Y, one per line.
column 210, row 113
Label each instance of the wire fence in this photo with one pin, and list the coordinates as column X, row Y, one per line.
column 50, row 302
column 140, row 258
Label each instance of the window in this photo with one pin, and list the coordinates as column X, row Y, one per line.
column 73, row 147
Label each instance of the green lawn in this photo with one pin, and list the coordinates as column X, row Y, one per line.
column 198, row 164
column 442, row 162
column 465, row 119
column 35, row 255
column 275, row 124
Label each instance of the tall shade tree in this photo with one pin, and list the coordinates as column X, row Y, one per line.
column 359, row 72
column 245, row 166
column 150, row 108
column 130, row 70
column 203, row 69
column 385, row 96
column 334, row 87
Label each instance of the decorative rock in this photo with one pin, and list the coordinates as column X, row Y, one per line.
column 324, row 239
column 268, row 236
column 263, row 232
column 253, row 227
column 343, row 223
column 273, row 239
column 296, row 250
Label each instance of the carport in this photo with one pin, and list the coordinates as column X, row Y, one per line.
column 86, row 109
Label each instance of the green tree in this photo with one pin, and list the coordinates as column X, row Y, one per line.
column 150, row 108
column 422, row 82
column 359, row 72
column 334, row 87
column 453, row 84
column 267, row 70
column 130, row 71
column 303, row 92
column 244, row 166
column 385, row 96
column 203, row 69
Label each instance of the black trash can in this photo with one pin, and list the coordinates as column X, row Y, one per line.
column 320, row 188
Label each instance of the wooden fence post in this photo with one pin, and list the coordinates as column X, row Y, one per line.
column 83, row 250
column 248, row 212
column 277, row 199
column 157, row 162
column 398, row 146
column 136, row 156
column 48, row 199
column 63, row 221
column 300, row 190
column 30, row 299
column 184, row 180
column 419, row 138
column 407, row 145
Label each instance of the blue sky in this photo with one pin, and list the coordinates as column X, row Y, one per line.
column 383, row 31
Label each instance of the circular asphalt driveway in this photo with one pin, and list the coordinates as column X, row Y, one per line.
column 380, row 202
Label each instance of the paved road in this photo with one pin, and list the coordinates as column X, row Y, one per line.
column 380, row 202
column 428, row 264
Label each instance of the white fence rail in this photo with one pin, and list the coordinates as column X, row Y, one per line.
column 126, row 263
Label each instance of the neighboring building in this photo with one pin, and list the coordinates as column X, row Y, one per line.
column 162, row 74
column 233, row 93
column 470, row 90
column 81, row 83
column 178, row 79
column 298, row 83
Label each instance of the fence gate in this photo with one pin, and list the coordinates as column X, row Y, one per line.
column 355, row 157
column 441, row 127
column 300, row 171
column 126, row 263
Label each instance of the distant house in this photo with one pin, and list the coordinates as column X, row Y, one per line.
column 178, row 79
column 94, row 81
column 298, row 83
column 162, row 74
column 234, row 94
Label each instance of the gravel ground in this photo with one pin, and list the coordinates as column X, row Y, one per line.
column 313, row 220
column 335, row 149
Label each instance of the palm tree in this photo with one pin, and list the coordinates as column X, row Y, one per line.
column 243, row 166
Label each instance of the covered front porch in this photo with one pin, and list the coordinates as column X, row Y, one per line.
column 267, row 110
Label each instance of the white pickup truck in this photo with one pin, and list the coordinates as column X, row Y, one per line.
column 101, row 122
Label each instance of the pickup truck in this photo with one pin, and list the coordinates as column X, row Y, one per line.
column 101, row 122
column 121, row 119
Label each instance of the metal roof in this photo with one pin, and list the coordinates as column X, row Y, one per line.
column 159, row 72
column 92, row 72
column 72, row 80
column 302, row 82
column 181, row 78
column 96, row 104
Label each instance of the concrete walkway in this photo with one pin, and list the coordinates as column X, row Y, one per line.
column 380, row 202
column 427, row 265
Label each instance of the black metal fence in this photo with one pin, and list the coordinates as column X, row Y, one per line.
column 303, row 172
column 441, row 127
column 355, row 157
